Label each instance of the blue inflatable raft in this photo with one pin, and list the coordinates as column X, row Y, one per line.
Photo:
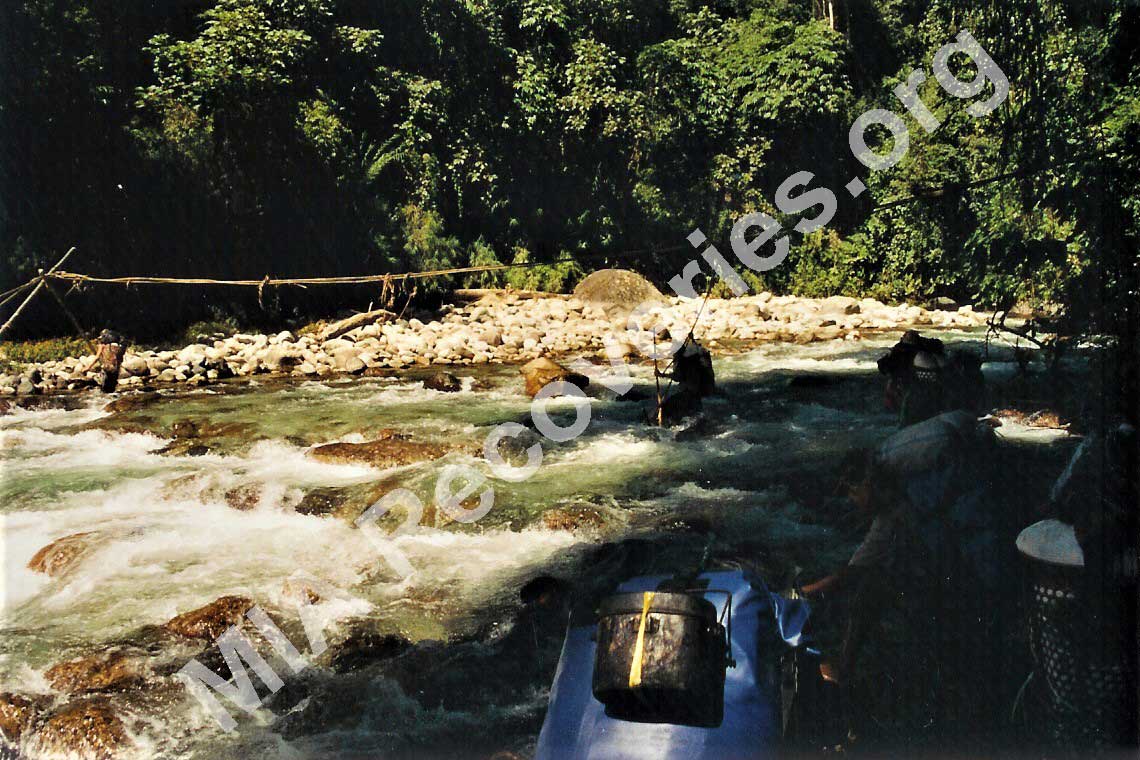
column 764, row 625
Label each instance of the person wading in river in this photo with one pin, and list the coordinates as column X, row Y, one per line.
column 109, row 352
column 924, row 381
column 693, row 374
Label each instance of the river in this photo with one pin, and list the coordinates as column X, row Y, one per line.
column 166, row 541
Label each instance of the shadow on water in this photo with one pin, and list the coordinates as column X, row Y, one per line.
column 758, row 482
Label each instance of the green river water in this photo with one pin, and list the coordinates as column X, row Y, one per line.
column 166, row 541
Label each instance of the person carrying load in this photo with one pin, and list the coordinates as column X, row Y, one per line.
column 924, row 381
column 693, row 373
column 109, row 352
column 933, row 526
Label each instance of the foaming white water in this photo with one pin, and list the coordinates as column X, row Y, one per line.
column 610, row 448
column 763, row 361
column 37, row 447
column 54, row 418
column 150, row 560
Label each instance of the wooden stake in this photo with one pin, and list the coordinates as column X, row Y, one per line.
column 35, row 290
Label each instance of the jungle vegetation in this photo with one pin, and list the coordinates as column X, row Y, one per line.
column 240, row 138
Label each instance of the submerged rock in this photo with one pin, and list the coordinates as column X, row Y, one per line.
column 61, row 555
column 542, row 371
column 392, row 451
column 444, row 382
column 101, row 672
column 131, row 402
column 87, row 729
column 210, row 621
column 16, row 713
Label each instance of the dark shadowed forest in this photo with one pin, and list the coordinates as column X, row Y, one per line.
column 245, row 138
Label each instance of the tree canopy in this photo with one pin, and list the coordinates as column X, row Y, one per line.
column 312, row 137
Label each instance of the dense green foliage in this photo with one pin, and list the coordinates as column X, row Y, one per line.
column 309, row 137
column 36, row 351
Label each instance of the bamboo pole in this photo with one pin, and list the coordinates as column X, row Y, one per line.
column 39, row 285
column 10, row 294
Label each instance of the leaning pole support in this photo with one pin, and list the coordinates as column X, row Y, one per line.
column 40, row 281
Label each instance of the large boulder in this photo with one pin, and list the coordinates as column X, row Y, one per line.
column 617, row 288
column 62, row 554
column 391, row 450
column 87, row 729
column 542, row 371
column 210, row 621
column 100, row 672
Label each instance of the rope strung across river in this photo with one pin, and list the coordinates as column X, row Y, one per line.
column 76, row 278
column 73, row 277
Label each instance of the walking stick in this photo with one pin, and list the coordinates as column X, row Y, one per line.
column 657, row 381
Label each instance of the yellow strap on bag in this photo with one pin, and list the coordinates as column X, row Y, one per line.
column 639, row 647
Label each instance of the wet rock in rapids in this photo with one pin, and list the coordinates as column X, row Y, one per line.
column 85, row 729
column 513, row 448
column 383, row 453
column 5, row 407
column 574, row 518
column 184, row 447
column 212, row 620
column 322, row 501
column 542, row 371
column 101, row 672
column 61, row 555
column 50, row 403
column 17, row 713
column 444, row 382
column 244, row 497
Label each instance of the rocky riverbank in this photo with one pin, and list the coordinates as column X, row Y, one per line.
column 500, row 327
